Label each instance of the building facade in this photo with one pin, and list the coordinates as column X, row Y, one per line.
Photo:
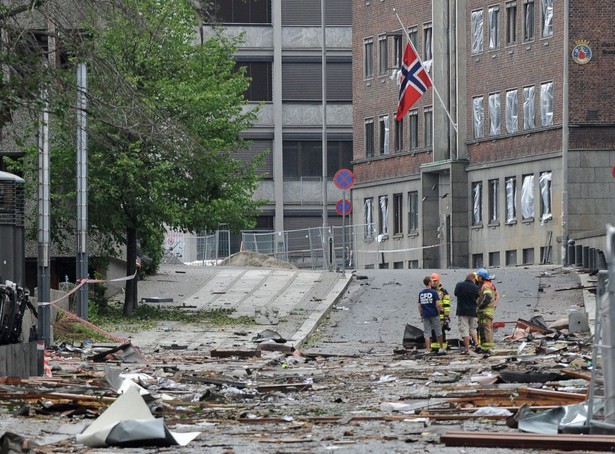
column 282, row 53
column 508, row 156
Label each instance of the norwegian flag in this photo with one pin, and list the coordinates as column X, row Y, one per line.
column 413, row 81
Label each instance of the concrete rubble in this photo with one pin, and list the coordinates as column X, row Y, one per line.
column 328, row 375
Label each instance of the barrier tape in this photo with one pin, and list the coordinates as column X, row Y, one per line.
column 401, row 250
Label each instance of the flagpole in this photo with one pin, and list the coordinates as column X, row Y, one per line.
column 433, row 85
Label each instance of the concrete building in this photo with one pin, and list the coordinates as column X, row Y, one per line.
column 525, row 161
column 282, row 52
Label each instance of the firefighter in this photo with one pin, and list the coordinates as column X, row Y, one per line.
column 487, row 302
column 445, row 301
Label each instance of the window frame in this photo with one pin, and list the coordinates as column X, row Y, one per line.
column 546, row 103
column 428, row 122
column 495, row 113
column 368, row 217
column 478, row 117
column 384, row 135
column 368, row 58
column 369, row 137
column 493, row 195
column 383, row 55
column 477, row 203
column 399, row 135
column 493, row 13
column 529, row 24
column 413, row 129
column 477, row 32
column 413, row 211
column 529, row 108
column 527, row 198
column 510, row 185
column 511, row 23
column 383, row 217
column 398, row 214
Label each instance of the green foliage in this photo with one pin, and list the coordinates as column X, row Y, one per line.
column 165, row 114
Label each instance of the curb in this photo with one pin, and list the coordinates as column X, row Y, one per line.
column 313, row 321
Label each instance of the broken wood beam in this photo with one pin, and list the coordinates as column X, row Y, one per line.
column 564, row 442
column 235, row 353
column 286, row 387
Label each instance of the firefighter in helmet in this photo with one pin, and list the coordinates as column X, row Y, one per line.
column 445, row 300
column 488, row 298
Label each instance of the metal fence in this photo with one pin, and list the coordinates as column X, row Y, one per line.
column 329, row 247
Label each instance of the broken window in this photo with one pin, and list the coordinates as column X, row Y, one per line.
column 368, row 58
column 528, row 108
column 493, row 200
column 494, row 114
column 546, row 103
column 384, row 134
column 428, row 115
column 528, row 20
column 383, row 54
column 368, row 219
column 399, row 135
column 477, row 203
column 494, row 27
column 545, row 196
column 477, row 32
column 547, row 18
column 477, row 116
column 412, row 33
column 383, row 220
column 427, row 50
column 413, row 211
column 527, row 197
column 398, row 220
column 511, row 195
column 413, row 129
column 369, row 138
column 511, row 23
column 398, row 51
column 511, row 111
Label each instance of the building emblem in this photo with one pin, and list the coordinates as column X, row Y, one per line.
column 582, row 53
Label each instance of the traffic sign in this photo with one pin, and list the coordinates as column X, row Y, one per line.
column 343, row 179
column 343, row 207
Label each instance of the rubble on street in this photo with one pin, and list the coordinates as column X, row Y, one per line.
column 338, row 389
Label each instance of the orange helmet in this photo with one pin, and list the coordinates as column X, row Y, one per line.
column 435, row 277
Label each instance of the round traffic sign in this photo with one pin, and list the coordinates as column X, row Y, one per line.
column 343, row 179
column 343, row 207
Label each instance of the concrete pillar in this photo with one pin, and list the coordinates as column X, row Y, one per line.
column 585, row 256
column 570, row 255
column 579, row 254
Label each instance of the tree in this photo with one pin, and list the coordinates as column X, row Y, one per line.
column 164, row 116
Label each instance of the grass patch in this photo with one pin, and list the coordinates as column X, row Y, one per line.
column 110, row 317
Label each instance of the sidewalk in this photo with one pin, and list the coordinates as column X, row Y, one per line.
column 290, row 302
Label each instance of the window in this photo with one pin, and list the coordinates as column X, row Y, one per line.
column 302, row 81
column 511, row 111
column 529, row 121
column 413, row 211
column 308, row 13
column 383, row 137
column 427, row 50
column 494, row 27
column 261, row 80
column 398, row 209
column 368, row 58
column 528, row 20
column 412, row 33
column 545, row 195
column 527, row 197
column 477, row 116
column 477, row 32
column 493, row 200
column 339, row 156
column 255, row 147
column 399, row 135
column 477, row 203
column 383, row 54
column 302, row 159
column 398, row 51
column 383, row 219
column 494, row 114
column 547, row 18
column 428, row 115
column 242, row 12
column 369, row 138
column 413, row 129
column 511, row 195
column 368, row 217
column 546, row 103
column 511, row 23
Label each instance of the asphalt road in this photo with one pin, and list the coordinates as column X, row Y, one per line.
column 372, row 314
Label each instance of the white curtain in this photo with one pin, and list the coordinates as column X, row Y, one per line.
column 511, row 195
column 384, row 213
column 545, row 194
column 478, row 114
column 477, row 32
column 528, row 108
column 511, row 111
column 477, row 204
column 494, row 114
column 546, row 103
column 527, row 197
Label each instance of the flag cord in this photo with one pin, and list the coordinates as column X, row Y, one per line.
column 433, row 85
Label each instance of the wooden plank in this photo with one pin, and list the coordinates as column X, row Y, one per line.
column 519, row 440
column 235, row 353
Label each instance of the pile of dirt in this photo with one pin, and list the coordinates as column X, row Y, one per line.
column 249, row 258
